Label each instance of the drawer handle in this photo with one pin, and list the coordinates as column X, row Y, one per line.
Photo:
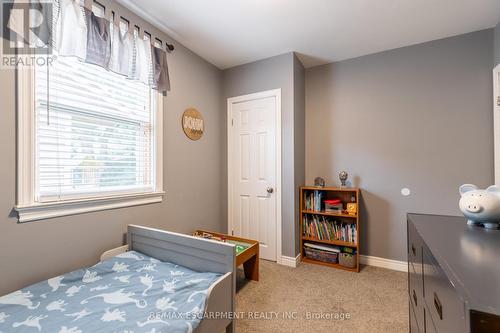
column 413, row 250
column 438, row 306
column 415, row 297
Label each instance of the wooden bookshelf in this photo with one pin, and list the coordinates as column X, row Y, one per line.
column 316, row 262
column 329, row 214
column 331, row 242
column 346, row 195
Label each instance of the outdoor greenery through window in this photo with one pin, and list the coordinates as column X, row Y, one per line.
column 94, row 132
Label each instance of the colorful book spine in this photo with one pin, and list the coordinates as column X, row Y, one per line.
column 313, row 201
column 324, row 229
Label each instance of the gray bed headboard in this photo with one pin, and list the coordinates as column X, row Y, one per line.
column 198, row 254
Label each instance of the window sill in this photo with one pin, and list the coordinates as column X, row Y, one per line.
column 42, row 211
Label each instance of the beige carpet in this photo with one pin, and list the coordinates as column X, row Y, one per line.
column 375, row 300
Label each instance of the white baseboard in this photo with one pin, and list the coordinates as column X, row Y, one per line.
column 401, row 266
column 290, row 261
column 395, row 265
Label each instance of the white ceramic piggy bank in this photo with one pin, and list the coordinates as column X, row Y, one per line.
column 481, row 206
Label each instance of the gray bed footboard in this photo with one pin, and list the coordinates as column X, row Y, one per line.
column 198, row 254
column 218, row 318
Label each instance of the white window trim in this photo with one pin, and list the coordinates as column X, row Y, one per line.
column 29, row 210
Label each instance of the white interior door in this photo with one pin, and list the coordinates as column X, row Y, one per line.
column 253, row 171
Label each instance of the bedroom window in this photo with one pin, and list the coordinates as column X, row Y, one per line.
column 89, row 139
column 94, row 132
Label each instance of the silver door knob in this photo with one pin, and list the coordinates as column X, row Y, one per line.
column 270, row 190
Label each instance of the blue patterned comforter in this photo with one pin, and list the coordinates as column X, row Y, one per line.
column 128, row 293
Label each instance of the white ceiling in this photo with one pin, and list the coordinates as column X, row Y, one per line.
column 233, row 32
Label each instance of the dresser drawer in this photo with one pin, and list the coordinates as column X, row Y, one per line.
column 429, row 326
column 481, row 322
column 416, row 296
column 415, row 245
column 444, row 306
column 414, row 328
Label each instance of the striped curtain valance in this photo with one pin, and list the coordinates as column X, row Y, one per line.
column 98, row 34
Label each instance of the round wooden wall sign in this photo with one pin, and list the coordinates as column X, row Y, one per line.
column 193, row 124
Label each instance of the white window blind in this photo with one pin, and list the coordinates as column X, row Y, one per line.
column 94, row 132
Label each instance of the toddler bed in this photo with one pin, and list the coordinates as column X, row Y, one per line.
column 159, row 282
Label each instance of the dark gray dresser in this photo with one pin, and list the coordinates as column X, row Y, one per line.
column 453, row 276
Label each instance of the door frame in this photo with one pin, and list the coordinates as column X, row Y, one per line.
column 496, row 122
column 245, row 98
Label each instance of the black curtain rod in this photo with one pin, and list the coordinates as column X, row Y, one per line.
column 170, row 47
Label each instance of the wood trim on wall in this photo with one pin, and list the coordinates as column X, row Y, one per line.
column 291, row 261
column 395, row 265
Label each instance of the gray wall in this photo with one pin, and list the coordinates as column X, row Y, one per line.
column 394, row 119
column 38, row 250
column 273, row 73
column 299, row 138
column 497, row 44
column 417, row 117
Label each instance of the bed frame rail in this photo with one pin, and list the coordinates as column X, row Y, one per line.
column 202, row 255
column 198, row 254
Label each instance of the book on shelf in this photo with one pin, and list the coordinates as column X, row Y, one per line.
column 314, row 200
column 334, row 206
column 328, row 248
column 322, row 228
